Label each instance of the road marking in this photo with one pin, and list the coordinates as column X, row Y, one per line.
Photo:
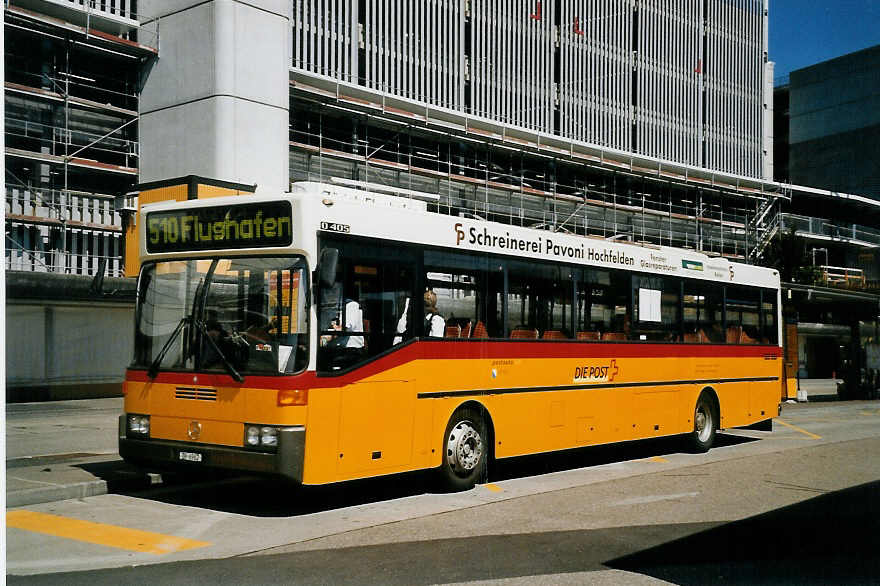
column 658, row 459
column 798, row 429
column 99, row 533
column 494, row 487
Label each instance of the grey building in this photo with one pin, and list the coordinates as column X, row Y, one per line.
column 834, row 118
column 626, row 119
column 827, row 141
column 683, row 82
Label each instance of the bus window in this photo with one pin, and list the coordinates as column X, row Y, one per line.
column 603, row 305
column 741, row 311
column 768, row 312
column 224, row 315
column 538, row 300
column 166, row 296
column 467, row 292
column 593, row 307
column 369, row 309
column 259, row 302
column 456, row 300
column 702, row 312
column 656, row 308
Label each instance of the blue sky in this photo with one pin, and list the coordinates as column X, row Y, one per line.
column 806, row 32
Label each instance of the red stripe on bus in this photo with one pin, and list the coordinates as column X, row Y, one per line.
column 465, row 350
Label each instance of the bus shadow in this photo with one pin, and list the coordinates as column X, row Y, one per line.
column 829, row 539
column 273, row 497
column 259, row 496
column 598, row 455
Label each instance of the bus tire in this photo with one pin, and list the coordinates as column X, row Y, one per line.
column 465, row 450
column 706, row 420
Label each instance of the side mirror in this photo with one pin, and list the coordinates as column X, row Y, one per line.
column 327, row 266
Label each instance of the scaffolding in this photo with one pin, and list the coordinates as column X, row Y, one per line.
column 474, row 178
column 71, row 85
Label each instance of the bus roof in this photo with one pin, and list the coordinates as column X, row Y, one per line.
column 334, row 209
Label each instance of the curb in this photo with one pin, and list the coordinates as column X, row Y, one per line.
column 115, row 477
column 50, row 494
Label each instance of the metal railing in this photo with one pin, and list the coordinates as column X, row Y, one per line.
column 57, row 137
column 119, row 8
column 99, row 89
column 828, row 230
column 53, row 261
column 843, row 277
column 79, row 206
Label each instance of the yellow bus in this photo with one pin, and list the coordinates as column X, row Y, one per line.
column 330, row 334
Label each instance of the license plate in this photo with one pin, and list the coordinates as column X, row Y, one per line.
column 190, row 456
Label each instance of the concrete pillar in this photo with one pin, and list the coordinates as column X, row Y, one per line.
column 215, row 103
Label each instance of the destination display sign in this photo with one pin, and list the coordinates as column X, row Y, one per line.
column 248, row 225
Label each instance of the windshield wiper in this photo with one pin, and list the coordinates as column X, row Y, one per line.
column 203, row 328
column 154, row 367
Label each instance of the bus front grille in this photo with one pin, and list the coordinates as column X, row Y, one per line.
column 194, row 394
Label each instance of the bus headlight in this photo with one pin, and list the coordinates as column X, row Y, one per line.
column 252, row 435
column 260, row 436
column 269, row 436
column 139, row 424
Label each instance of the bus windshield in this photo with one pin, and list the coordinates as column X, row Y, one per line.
column 243, row 315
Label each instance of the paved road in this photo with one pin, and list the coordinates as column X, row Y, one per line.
column 799, row 504
column 86, row 427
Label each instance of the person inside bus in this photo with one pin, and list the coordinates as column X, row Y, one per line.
column 217, row 334
column 435, row 325
column 400, row 333
column 347, row 349
column 263, row 332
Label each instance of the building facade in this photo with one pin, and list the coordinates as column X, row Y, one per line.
column 626, row 119
column 828, row 142
column 684, row 82
column 834, row 118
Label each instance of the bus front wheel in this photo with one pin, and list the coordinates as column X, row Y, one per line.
column 705, row 424
column 465, row 450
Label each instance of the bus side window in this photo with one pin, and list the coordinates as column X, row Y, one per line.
column 702, row 312
column 465, row 293
column 656, row 308
column 620, row 298
column 742, row 312
column 539, row 300
column 593, row 306
column 370, row 309
column 770, row 334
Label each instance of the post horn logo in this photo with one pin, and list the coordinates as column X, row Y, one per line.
column 194, row 430
column 459, row 233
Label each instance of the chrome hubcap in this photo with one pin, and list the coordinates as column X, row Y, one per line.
column 702, row 423
column 464, row 448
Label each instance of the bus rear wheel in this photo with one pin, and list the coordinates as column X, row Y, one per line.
column 465, row 450
column 705, row 424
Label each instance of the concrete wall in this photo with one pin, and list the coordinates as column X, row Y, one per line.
column 67, row 336
column 67, row 350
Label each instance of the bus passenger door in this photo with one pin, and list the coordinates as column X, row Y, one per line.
column 376, row 428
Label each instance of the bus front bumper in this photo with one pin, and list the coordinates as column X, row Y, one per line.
column 286, row 461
